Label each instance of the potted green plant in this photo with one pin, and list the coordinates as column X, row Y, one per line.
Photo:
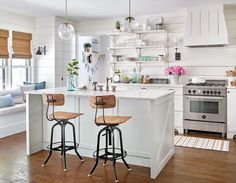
column 87, row 47
column 118, row 25
column 72, row 68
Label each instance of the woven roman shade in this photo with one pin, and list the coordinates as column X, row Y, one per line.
column 21, row 44
column 4, row 34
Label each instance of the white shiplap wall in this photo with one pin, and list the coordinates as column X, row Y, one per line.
column 52, row 66
column 45, row 64
column 211, row 62
column 64, row 53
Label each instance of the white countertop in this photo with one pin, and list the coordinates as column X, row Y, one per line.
column 231, row 87
column 143, row 85
column 142, row 94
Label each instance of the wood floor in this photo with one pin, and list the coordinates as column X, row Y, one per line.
column 186, row 166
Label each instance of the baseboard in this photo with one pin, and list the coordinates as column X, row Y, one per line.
column 230, row 135
column 12, row 129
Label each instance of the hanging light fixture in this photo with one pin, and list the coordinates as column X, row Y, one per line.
column 129, row 25
column 66, row 31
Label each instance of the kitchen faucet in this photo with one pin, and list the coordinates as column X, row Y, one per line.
column 107, row 85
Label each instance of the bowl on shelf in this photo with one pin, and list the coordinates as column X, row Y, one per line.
column 130, row 59
column 126, row 80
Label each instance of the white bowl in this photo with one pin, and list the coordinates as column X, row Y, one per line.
column 196, row 80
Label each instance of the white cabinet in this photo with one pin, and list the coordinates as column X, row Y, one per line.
column 231, row 113
column 206, row 26
column 178, row 106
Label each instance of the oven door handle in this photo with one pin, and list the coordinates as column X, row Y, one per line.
column 205, row 97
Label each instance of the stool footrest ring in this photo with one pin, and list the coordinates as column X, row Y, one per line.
column 108, row 155
column 57, row 146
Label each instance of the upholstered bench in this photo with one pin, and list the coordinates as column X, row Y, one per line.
column 12, row 112
column 13, row 108
column 12, row 120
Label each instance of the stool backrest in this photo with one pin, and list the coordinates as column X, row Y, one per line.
column 102, row 102
column 53, row 99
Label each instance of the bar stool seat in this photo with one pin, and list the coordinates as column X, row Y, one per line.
column 112, row 120
column 61, row 115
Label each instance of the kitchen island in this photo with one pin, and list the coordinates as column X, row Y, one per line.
column 148, row 136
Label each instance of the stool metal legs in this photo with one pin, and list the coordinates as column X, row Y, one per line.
column 112, row 156
column 73, row 127
column 122, row 150
column 97, row 152
column 63, row 147
column 51, row 142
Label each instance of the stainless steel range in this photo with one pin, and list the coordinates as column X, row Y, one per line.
column 205, row 106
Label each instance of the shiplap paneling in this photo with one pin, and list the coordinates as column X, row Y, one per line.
column 65, row 51
column 45, row 64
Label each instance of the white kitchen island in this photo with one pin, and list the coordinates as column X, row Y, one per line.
column 148, row 136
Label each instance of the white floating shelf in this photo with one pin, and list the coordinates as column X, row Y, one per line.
column 138, row 62
column 136, row 47
column 152, row 32
column 137, row 32
column 147, row 47
column 121, row 34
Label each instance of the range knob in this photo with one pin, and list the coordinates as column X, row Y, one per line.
column 219, row 92
column 215, row 92
column 207, row 92
column 211, row 92
column 204, row 92
column 194, row 91
column 189, row 91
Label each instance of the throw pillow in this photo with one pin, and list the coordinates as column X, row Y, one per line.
column 6, row 101
column 16, row 95
column 38, row 86
column 25, row 88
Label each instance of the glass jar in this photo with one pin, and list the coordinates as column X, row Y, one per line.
column 72, row 83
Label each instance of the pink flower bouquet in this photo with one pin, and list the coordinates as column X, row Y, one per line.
column 175, row 70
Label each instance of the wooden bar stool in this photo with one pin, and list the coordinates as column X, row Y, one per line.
column 62, row 119
column 110, row 152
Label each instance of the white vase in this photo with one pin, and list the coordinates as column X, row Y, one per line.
column 174, row 79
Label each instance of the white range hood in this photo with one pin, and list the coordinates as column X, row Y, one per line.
column 205, row 26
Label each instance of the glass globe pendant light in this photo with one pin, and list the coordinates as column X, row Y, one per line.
column 129, row 25
column 66, row 31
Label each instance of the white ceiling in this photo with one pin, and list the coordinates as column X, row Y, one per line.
column 80, row 9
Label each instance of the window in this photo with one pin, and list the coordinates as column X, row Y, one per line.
column 21, row 71
column 17, row 69
column 3, row 73
column 4, row 55
column 20, row 64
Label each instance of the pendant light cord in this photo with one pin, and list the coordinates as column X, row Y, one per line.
column 65, row 11
column 129, row 9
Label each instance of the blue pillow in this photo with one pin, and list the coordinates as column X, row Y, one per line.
column 38, row 86
column 6, row 101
